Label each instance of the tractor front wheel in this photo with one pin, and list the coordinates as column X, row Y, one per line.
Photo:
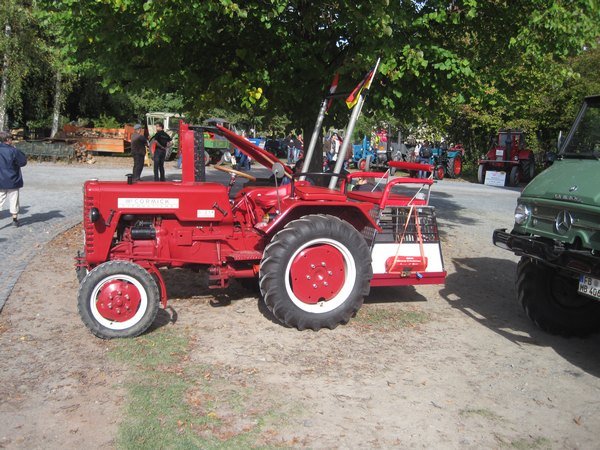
column 368, row 162
column 551, row 301
column 118, row 299
column 438, row 172
column 315, row 273
column 361, row 164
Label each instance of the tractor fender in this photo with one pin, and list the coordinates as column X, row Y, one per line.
column 355, row 213
column 525, row 154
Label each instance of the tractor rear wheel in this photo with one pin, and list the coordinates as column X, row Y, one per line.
column 118, row 299
column 515, row 176
column 528, row 168
column 315, row 273
column 551, row 301
column 454, row 166
column 481, row 173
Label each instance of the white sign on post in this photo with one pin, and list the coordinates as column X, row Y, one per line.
column 493, row 178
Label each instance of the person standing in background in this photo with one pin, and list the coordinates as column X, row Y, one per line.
column 162, row 140
column 11, row 179
column 139, row 143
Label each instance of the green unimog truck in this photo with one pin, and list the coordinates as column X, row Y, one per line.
column 557, row 234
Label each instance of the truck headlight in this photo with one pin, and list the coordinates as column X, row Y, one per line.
column 522, row 214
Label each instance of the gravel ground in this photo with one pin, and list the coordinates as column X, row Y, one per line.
column 474, row 374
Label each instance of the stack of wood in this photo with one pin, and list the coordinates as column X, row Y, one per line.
column 82, row 155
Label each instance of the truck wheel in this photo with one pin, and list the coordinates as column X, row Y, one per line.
column 315, row 273
column 118, row 299
column 514, row 177
column 481, row 173
column 528, row 168
column 454, row 167
column 551, row 301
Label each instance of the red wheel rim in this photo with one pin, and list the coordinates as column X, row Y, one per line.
column 440, row 173
column 362, row 164
column 457, row 166
column 317, row 274
column 118, row 301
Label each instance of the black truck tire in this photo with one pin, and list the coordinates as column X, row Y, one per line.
column 315, row 273
column 551, row 301
column 118, row 299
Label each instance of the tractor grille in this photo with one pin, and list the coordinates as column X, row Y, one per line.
column 88, row 227
column 393, row 221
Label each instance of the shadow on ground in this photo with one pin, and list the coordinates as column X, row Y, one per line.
column 483, row 289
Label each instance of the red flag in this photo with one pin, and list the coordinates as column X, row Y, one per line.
column 332, row 89
column 364, row 84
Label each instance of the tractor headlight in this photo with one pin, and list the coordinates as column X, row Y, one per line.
column 522, row 214
column 94, row 215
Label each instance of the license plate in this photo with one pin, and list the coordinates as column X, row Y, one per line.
column 589, row 286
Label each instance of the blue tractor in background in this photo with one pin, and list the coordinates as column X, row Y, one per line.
column 449, row 159
column 367, row 157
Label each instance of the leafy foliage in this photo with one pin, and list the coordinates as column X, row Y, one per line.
column 463, row 67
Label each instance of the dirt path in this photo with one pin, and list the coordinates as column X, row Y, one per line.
column 457, row 366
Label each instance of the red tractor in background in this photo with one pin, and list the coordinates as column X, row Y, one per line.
column 509, row 154
column 314, row 251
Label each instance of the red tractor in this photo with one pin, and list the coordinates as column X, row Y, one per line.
column 314, row 251
column 509, row 154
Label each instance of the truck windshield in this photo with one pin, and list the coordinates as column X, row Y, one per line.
column 584, row 140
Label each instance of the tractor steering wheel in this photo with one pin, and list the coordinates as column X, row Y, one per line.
column 235, row 172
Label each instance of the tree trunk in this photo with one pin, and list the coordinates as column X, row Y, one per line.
column 4, row 85
column 57, row 101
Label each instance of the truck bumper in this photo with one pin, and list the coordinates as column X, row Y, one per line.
column 577, row 261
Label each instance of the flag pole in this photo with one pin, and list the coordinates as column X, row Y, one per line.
column 315, row 135
column 346, row 144
column 317, row 130
column 348, row 138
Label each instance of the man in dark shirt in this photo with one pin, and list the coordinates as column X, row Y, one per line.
column 162, row 139
column 138, row 150
column 11, row 179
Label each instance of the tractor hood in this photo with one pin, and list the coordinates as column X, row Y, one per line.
column 259, row 155
column 569, row 180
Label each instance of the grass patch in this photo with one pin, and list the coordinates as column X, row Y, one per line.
column 528, row 443
column 174, row 403
column 485, row 413
column 381, row 318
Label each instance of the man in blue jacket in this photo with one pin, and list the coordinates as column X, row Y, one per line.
column 11, row 179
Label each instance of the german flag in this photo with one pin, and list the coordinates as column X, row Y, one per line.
column 364, row 84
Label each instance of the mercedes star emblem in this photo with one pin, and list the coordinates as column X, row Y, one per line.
column 563, row 222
